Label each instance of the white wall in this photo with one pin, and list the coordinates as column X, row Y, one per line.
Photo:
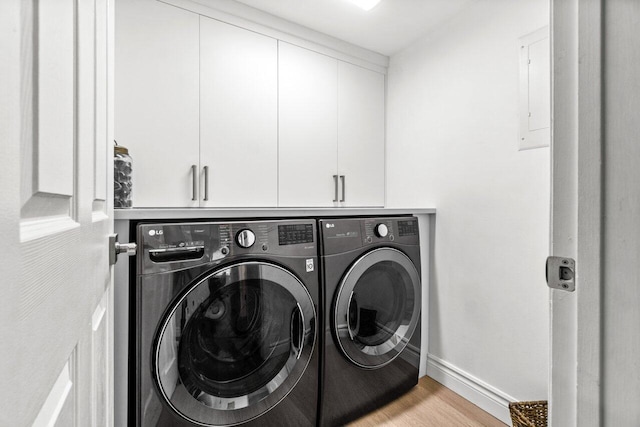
column 452, row 130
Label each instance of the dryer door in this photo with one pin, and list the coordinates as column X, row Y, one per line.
column 234, row 344
column 377, row 307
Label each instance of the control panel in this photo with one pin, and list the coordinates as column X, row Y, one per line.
column 408, row 228
column 345, row 234
column 170, row 246
column 376, row 229
column 295, row 234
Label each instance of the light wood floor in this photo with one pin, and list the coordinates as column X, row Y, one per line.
column 429, row 404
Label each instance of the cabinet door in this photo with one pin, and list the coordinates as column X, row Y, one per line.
column 238, row 116
column 307, row 127
column 361, row 128
column 156, row 99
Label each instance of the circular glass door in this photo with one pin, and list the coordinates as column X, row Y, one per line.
column 234, row 344
column 377, row 307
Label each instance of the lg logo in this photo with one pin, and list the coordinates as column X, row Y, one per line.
column 328, row 225
column 155, row 232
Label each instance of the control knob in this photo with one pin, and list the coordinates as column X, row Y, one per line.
column 245, row 238
column 381, row 230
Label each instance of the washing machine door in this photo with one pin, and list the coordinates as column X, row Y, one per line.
column 234, row 344
column 377, row 307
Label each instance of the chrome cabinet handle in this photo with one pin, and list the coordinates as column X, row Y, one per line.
column 335, row 182
column 194, row 179
column 344, row 180
column 206, row 183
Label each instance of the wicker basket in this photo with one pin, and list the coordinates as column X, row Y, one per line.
column 529, row 414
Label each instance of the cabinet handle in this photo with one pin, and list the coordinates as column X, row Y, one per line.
column 206, row 183
column 335, row 181
column 194, row 180
column 344, row 180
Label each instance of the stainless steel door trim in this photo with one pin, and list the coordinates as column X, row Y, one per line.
column 194, row 183
column 301, row 333
column 344, row 185
column 348, row 319
column 373, row 357
column 207, row 409
column 335, row 182
column 206, row 183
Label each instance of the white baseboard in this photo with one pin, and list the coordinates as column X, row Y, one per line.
column 474, row 390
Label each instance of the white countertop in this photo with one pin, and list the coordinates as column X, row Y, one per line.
column 206, row 213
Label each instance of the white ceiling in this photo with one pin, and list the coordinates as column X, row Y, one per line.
column 386, row 29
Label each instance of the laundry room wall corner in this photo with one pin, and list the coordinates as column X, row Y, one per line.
column 452, row 143
column 427, row 225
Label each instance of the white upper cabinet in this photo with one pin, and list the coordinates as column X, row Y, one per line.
column 156, row 100
column 215, row 115
column 361, row 126
column 238, row 116
column 308, row 127
column 331, row 131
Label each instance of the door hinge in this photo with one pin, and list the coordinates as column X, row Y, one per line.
column 561, row 273
column 116, row 248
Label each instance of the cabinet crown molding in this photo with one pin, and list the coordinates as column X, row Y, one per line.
column 253, row 19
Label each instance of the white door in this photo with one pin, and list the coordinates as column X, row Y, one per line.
column 307, row 117
column 596, row 205
column 55, row 204
column 360, row 135
column 564, row 215
column 157, row 100
column 239, row 116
